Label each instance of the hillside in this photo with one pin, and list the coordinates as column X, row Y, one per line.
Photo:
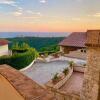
column 40, row 43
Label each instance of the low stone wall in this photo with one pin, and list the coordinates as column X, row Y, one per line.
column 61, row 82
column 79, row 68
column 59, row 95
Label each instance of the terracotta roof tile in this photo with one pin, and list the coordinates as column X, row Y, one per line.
column 76, row 39
column 3, row 42
column 29, row 89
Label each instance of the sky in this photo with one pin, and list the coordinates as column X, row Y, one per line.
column 49, row 15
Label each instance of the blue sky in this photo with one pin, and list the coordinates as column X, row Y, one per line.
column 49, row 15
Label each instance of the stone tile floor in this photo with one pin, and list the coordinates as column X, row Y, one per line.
column 74, row 84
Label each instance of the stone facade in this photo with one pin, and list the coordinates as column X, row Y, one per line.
column 91, row 82
column 59, row 95
column 66, row 50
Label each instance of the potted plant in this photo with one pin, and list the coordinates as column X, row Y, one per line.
column 65, row 71
column 84, row 65
column 71, row 64
column 55, row 78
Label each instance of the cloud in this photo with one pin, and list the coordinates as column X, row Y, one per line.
column 76, row 19
column 17, row 13
column 11, row 3
column 8, row 2
column 26, row 14
column 43, row 1
column 33, row 13
column 30, row 12
column 31, row 17
column 20, row 9
column 39, row 14
column 96, row 15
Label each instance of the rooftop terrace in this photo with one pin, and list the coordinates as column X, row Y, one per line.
column 27, row 88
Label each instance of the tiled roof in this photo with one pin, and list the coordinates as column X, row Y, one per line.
column 76, row 39
column 26, row 87
column 3, row 42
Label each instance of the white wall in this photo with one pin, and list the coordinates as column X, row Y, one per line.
column 4, row 50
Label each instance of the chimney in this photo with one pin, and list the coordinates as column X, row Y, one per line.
column 93, row 38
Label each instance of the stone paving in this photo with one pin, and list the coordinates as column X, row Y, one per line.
column 74, row 84
column 42, row 72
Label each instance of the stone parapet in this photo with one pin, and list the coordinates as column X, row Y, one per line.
column 61, row 82
column 26, row 87
column 59, row 95
column 79, row 68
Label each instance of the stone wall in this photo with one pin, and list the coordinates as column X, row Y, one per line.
column 61, row 82
column 62, row 95
column 66, row 49
column 91, row 83
column 79, row 68
column 59, row 95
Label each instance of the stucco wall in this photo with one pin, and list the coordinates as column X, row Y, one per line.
column 7, row 91
column 3, row 50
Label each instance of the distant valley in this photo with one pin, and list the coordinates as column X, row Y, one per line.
column 33, row 34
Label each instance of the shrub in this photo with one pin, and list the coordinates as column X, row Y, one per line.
column 19, row 48
column 51, row 48
column 20, row 60
column 71, row 64
column 55, row 78
column 46, row 54
column 5, row 60
column 65, row 71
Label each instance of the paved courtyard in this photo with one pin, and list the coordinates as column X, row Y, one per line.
column 42, row 72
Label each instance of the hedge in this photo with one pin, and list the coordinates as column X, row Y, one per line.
column 20, row 60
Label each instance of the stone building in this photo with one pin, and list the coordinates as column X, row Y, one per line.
column 90, row 89
column 74, row 41
column 91, row 84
